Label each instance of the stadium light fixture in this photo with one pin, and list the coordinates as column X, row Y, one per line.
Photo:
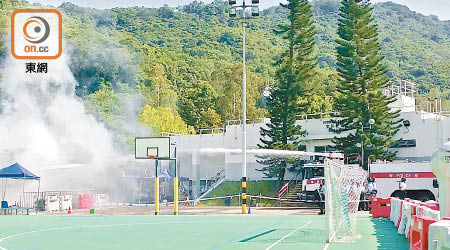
column 254, row 13
column 232, row 13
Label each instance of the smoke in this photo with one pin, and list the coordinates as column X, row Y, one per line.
column 46, row 128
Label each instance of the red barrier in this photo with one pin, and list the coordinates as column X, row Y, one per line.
column 85, row 201
column 413, row 212
column 431, row 205
column 419, row 233
column 380, row 207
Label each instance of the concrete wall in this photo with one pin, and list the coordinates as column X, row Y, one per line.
column 429, row 130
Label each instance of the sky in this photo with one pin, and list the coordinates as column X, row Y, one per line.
column 440, row 8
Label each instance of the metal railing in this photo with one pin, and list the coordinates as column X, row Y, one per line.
column 201, row 131
column 36, row 200
column 249, row 121
column 215, row 182
column 288, row 185
column 318, row 115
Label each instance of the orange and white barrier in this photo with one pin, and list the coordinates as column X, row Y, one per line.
column 421, row 224
column 439, row 235
column 419, row 232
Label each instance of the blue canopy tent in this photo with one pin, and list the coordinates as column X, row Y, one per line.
column 16, row 171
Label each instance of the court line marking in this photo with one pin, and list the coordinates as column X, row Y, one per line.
column 247, row 233
column 326, row 246
column 287, row 235
column 111, row 225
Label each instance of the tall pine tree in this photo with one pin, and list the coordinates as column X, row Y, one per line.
column 360, row 100
column 297, row 66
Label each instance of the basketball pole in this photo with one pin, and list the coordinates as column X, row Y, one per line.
column 156, row 189
column 175, row 186
column 327, row 198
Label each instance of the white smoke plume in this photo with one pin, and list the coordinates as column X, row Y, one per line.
column 45, row 127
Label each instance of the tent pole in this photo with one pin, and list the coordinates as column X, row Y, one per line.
column 4, row 189
column 37, row 199
column 23, row 193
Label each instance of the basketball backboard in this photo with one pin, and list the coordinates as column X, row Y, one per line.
column 152, row 148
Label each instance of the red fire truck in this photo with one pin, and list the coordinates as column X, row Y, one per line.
column 421, row 183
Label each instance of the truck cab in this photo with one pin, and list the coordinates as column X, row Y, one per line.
column 313, row 176
column 421, row 183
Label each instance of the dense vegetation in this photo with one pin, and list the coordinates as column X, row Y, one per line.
column 360, row 100
column 295, row 70
column 183, row 65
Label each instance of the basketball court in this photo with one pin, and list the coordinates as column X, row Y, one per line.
column 206, row 227
column 187, row 232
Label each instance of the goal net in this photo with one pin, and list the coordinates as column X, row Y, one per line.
column 343, row 186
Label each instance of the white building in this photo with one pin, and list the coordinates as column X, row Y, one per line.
column 420, row 136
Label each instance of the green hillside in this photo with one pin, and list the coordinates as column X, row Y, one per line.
column 185, row 63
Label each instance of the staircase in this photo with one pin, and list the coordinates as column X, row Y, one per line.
column 293, row 199
column 217, row 181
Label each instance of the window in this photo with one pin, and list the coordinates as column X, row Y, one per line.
column 405, row 144
column 327, row 148
column 319, row 149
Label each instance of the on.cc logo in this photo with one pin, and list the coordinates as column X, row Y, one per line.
column 36, row 34
column 36, row 29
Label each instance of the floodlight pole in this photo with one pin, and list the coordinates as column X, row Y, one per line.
column 244, row 122
column 244, row 97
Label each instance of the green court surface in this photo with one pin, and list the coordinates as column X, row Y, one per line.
column 186, row 232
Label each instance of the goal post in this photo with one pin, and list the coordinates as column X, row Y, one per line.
column 343, row 185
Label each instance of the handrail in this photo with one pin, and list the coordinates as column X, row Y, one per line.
column 249, row 121
column 219, row 178
column 318, row 115
column 285, row 188
column 201, row 131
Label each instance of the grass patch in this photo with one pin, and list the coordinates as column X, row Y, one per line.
column 266, row 188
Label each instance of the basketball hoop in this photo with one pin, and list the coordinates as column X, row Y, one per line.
column 152, row 147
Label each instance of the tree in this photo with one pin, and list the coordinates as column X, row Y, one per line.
column 209, row 119
column 156, row 88
column 105, row 104
column 362, row 80
column 197, row 98
column 297, row 67
column 321, row 88
column 162, row 119
column 227, row 81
